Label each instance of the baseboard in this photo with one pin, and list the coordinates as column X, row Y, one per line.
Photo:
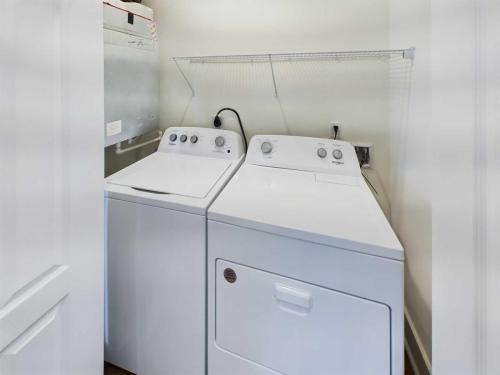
column 419, row 360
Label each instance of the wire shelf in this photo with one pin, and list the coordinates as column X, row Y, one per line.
column 272, row 58
column 312, row 56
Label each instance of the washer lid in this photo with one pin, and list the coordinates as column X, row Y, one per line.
column 168, row 173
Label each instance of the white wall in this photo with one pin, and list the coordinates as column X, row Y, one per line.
column 411, row 188
column 311, row 94
column 490, row 172
column 453, row 74
column 466, row 203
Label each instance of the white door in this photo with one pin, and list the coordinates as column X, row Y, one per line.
column 294, row 328
column 51, row 201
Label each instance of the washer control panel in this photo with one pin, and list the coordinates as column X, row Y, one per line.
column 217, row 143
column 304, row 153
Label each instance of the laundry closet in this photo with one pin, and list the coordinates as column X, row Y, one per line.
column 288, row 132
column 249, row 187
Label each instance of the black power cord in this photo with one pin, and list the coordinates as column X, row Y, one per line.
column 218, row 123
column 335, row 131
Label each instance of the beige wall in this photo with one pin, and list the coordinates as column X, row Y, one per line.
column 311, row 94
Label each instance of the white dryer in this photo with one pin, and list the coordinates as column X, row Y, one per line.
column 305, row 274
column 156, row 251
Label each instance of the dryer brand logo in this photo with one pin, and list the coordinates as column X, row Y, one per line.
column 230, row 275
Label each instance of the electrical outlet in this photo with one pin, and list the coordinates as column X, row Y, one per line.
column 364, row 152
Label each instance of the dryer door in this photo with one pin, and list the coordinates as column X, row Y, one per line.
column 296, row 328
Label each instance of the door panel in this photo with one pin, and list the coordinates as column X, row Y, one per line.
column 32, row 158
column 51, row 204
column 37, row 350
column 29, row 304
column 32, row 280
column 296, row 328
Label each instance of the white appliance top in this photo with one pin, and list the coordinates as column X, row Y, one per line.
column 186, row 173
column 194, row 176
column 296, row 187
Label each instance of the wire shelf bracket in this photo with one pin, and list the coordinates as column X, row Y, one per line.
column 405, row 54
column 184, row 76
column 409, row 53
column 273, row 75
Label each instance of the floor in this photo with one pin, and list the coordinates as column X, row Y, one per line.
column 112, row 370
column 408, row 369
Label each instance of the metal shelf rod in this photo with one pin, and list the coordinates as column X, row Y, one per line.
column 119, row 150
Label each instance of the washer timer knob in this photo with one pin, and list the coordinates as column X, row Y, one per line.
column 194, row 139
column 322, row 153
column 173, row 137
column 183, row 138
column 220, row 141
column 337, row 154
column 266, row 147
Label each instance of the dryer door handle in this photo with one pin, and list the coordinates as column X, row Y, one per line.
column 293, row 300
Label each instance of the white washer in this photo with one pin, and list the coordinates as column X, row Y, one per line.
column 156, row 251
column 305, row 274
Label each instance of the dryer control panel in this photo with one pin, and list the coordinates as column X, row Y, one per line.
column 304, row 153
column 218, row 143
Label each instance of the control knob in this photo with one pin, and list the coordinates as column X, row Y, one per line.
column 266, row 147
column 183, row 138
column 220, row 141
column 337, row 154
column 173, row 137
column 194, row 139
column 322, row 153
